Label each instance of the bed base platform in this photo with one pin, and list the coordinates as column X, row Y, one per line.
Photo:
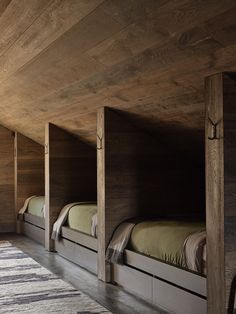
column 78, row 248
column 33, row 227
column 172, row 288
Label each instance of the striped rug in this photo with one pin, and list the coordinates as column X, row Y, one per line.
column 27, row 287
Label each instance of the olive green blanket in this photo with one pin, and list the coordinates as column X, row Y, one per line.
column 36, row 206
column 163, row 239
column 80, row 217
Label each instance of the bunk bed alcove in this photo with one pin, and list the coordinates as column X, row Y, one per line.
column 139, row 174
column 29, row 181
column 70, row 177
column 7, row 219
column 220, row 192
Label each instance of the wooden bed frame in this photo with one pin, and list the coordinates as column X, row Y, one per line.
column 79, row 248
column 65, row 153
column 172, row 288
column 133, row 168
column 33, row 227
column 29, row 180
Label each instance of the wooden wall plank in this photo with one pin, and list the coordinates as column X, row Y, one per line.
column 7, row 214
column 50, row 20
column 220, row 192
column 140, row 175
column 70, row 174
column 16, row 19
column 29, row 169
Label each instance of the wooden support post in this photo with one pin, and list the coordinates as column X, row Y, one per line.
column 70, row 174
column 221, row 191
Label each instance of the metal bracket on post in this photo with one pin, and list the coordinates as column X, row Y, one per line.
column 46, row 149
column 99, row 146
column 214, row 130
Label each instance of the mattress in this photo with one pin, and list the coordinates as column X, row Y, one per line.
column 36, row 206
column 164, row 240
column 80, row 217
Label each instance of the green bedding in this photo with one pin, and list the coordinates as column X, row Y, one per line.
column 36, row 205
column 167, row 239
column 80, row 217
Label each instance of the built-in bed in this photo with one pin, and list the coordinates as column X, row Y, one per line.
column 71, row 194
column 140, row 175
column 164, row 262
column 32, row 218
column 76, row 238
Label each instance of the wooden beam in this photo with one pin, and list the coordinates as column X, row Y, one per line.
column 70, row 169
column 220, row 191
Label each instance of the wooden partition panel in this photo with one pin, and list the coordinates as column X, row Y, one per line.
column 140, row 175
column 7, row 214
column 70, row 174
column 29, row 169
column 221, row 191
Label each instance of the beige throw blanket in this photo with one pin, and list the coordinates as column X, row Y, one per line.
column 195, row 252
column 56, row 231
column 25, row 207
column 94, row 225
column 119, row 241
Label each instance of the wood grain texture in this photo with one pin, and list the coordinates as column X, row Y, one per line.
column 7, row 214
column 29, row 169
column 33, row 232
column 70, row 174
column 220, row 184
column 66, row 59
column 142, row 175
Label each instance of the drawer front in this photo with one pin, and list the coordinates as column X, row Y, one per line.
column 177, row 300
column 133, row 280
column 77, row 254
column 33, row 232
column 65, row 248
column 86, row 258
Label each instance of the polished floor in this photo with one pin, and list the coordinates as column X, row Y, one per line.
column 112, row 297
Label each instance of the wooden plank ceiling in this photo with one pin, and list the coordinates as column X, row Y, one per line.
column 60, row 60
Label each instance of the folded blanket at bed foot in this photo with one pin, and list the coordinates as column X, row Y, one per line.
column 79, row 216
column 34, row 205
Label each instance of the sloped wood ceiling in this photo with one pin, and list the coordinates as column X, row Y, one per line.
column 60, row 60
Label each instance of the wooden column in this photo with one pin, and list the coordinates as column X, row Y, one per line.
column 221, row 191
column 7, row 214
column 140, row 175
column 29, row 170
column 70, row 174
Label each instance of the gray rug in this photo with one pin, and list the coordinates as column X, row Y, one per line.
column 27, row 287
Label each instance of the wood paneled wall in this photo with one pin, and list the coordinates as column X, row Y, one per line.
column 140, row 175
column 64, row 59
column 70, row 174
column 29, row 169
column 7, row 214
column 220, row 191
